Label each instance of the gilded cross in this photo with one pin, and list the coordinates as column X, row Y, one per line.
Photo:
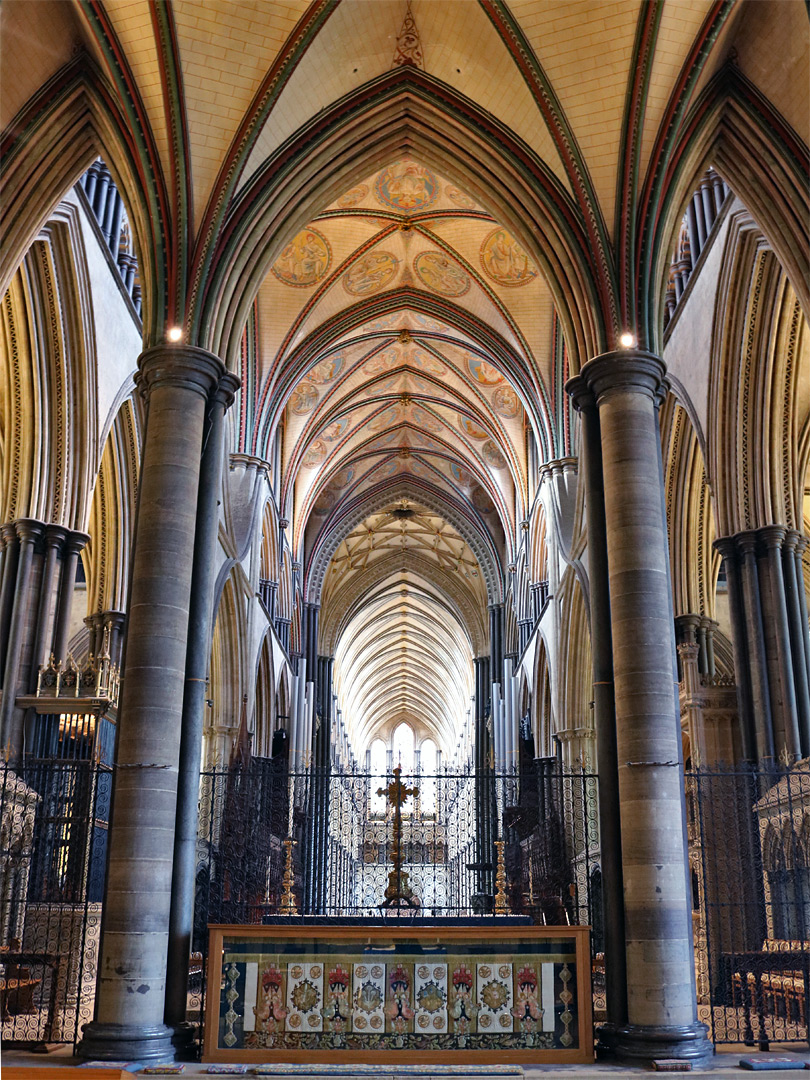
column 399, row 892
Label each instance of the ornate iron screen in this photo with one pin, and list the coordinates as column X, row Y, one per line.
column 749, row 838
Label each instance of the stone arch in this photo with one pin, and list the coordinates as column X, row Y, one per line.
column 73, row 119
column 360, row 133
column 736, row 130
column 455, row 594
column 759, row 342
column 333, row 533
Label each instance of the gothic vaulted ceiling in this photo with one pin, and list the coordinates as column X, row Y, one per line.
column 403, row 353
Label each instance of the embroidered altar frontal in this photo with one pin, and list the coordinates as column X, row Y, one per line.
column 384, row 994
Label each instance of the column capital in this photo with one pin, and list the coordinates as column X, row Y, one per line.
column 9, row 533
column 28, row 529
column 726, row 546
column 625, row 369
column 771, row 536
column 792, row 538
column 226, row 389
column 55, row 535
column 75, row 541
column 183, row 366
column 580, row 393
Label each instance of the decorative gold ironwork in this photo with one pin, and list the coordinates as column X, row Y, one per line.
column 501, row 907
column 289, row 905
column 398, row 892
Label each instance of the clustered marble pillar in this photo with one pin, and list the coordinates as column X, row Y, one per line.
column 35, row 611
column 691, row 629
column 177, row 382
column 771, row 640
column 661, row 1006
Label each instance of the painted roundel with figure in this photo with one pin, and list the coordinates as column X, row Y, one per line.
column 505, row 261
column 441, row 274
column 406, row 186
column 372, row 272
column 304, row 397
column 305, row 260
column 505, row 402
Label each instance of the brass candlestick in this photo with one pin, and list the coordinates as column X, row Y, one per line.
column 288, row 903
column 501, row 907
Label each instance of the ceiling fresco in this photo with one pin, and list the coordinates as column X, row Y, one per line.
column 420, row 396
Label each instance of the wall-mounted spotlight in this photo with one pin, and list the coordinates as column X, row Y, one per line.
column 175, row 333
column 627, row 341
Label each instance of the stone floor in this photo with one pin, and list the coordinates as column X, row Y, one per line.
column 723, row 1065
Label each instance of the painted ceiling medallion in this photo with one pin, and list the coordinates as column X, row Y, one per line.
column 469, row 427
column 459, row 198
column 483, row 372
column 440, row 274
column 482, row 501
column 383, row 361
column 343, row 478
column 406, row 186
column 492, row 455
column 324, row 503
column 333, row 431
column 505, row 402
column 460, row 475
column 326, row 370
column 353, row 197
column 505, row 261
column 370, row 273
column 315, row 454
column 305, row 260
column 304, row 397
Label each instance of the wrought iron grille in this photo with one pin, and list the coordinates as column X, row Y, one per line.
column 333, row 834
column 749, row 846
column 53, row 838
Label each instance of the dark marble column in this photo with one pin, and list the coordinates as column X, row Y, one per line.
column 661, row 1004
column 755, row 646
column 800, row 635
column 53, row 540
column 11, row 555
column 73, row 545
column 130, row 994
column 114, row 625
column 750, row 730
column 604, row 711
column 11, row 718
column 777, row 640
column 198, row 651
column 483, row 899
column 799, row 638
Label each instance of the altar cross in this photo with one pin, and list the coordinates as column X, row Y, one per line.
column 398, row 892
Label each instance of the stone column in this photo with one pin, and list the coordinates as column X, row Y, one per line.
column 748, row 724
column 130, row 994
column 67, row 583
column 604, row 715
column 755, row 646
column 198, row 651
column 11, row 555
column 114, row 623
column 799, row 632
column 777, row 640
column 11, row 718
column 55, row 537
column 661, row 1005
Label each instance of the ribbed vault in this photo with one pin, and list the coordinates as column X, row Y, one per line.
column 404, row 655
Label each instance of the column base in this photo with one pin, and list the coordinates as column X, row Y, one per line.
column 636, row 1043
column 606, row 1041
column 183, row 1041
column 126, row 1042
